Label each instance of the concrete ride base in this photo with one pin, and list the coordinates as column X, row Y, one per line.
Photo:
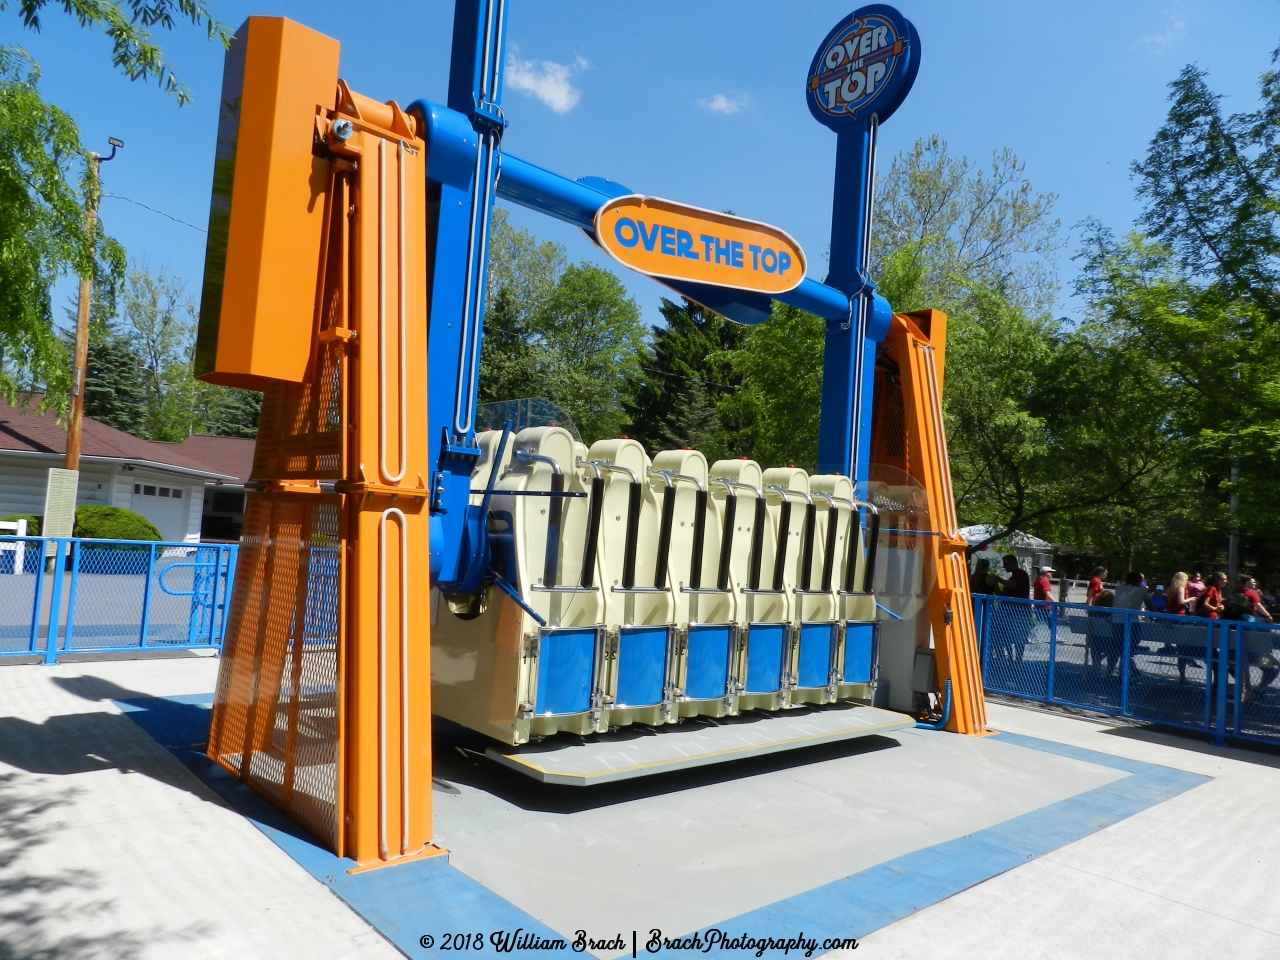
column 646, row 751
column 1061, row 837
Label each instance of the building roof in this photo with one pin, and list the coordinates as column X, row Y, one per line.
column 233, row 455
column 27, row 430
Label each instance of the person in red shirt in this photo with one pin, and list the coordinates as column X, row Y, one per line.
column 1210, row 603
column 1043, row 587
column 1095, row 585
column 1249, row 587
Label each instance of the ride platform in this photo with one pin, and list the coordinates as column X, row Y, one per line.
column 644, row 751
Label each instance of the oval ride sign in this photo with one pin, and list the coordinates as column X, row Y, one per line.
column 866, row 65
column 674, row 241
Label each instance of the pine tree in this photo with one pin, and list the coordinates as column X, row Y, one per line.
column 508, row 358
column 226, row 411
column 685, row 376
column 114, row 392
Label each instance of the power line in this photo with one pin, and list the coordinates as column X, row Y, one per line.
column 116, row 196
column 679, row 376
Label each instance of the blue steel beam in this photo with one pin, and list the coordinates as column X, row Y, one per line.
column 462, row 164
column 575, row 202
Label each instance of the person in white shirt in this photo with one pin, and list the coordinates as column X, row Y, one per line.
column 1131, row 595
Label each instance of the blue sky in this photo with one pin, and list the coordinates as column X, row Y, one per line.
column 700, row 102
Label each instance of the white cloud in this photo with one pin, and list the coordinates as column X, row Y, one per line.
column 723, row 104
column 1172, row 32
column 546, row 80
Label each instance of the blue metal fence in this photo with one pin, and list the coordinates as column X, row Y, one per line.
column 71, row 595
column 1213, row 676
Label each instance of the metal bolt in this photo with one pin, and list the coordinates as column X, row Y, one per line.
column 342, row 130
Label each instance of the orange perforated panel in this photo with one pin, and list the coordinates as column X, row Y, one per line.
column 300, row 430
column 324, row 700
column 919, row 385
column 275, row 722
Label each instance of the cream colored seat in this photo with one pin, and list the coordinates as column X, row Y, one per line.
column 639, row 612
column 705, row 675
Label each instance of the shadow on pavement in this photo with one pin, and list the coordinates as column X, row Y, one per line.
column 88, row 742
column 1243, row 750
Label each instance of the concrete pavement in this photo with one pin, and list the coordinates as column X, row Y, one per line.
column 111, row 848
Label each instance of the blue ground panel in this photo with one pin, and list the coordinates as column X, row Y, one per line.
column 764, row 656
column 566, row 664
column 859, row 644
column 815, row 654
column 708, row 662
column 403, row 903
column 642, row 666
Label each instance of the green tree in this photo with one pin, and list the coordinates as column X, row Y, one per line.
column 114, row 390
column 686, row 373
column 1197, row 296
column 942, row 223
column 1066, row 433
column 161, row 320
column 42, row 233
column 126, row 23
column 140, row 377
column 46, row 182
column 226, row 412
column 567, row 333
column 522, row 277
column 778, row 407
column 591, row 338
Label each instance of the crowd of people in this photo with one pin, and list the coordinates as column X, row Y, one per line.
column 1187, row 594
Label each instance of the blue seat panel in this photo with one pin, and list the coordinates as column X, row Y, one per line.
column 816, row 640
column 707, row 675
column 642, row 666
column 859, row 647
column 566, row 665
column 765, row 643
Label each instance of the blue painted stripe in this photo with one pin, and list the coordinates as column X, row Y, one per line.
column 880, row 895
column 402, row 903
column 432, row 897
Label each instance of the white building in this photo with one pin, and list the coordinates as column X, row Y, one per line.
column 165, row 482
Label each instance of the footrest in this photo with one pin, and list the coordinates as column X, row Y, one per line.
column 638, row 753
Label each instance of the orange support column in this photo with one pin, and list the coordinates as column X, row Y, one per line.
column 315, row 293
column 386, row 716
column 911, row 342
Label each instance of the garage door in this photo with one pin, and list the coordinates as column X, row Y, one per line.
column 167, row 507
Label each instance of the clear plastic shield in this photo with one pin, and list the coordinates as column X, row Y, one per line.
column 904, row 575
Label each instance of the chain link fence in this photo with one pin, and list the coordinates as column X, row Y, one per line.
column 1213, row 676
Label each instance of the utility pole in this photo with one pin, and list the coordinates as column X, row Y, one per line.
column 82, row 317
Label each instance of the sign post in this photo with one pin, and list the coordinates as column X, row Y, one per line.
column 59, row 505
column 862, row 72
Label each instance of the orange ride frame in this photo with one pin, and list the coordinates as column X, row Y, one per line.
column 349, row 437
column 917, row 344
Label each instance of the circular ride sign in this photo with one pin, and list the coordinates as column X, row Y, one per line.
column 865, row 66
column 674, row 241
